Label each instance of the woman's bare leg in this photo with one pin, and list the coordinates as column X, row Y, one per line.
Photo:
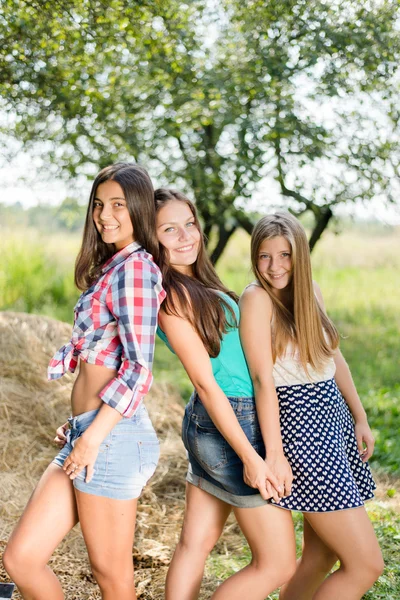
column 204, row 520
column 350, row 535
column 108, row 528
column 270, row 535
column 49, row 515
column 313, row 566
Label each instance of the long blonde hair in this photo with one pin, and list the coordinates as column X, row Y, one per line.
column 302, row 323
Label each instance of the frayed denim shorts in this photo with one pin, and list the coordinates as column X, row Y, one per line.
column 213, row 464
column 127, row 458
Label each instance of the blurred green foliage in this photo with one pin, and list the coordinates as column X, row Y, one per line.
column 68, row 216
column 36, row 273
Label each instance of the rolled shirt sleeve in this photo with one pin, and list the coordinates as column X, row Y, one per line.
column 134, row 300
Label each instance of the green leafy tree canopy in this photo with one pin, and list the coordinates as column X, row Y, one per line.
column 213, row 99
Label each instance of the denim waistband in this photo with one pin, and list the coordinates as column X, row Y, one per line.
column 83, row 420
column 243, row 404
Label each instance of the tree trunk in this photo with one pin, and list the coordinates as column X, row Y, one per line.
column 321, row 224
column 223, row 238
column 244, row 222
column 207, row 231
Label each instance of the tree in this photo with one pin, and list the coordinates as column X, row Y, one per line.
column 300, row 90
column 70, row 215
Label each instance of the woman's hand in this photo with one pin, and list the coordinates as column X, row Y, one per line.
column 257, row 474
column 365, row 440
column 61, row 435
column 83, row 455
column 282, row 470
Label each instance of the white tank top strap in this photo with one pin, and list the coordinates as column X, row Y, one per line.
column 253, row 284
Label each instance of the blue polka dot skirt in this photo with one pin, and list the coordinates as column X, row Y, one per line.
column 320, row 445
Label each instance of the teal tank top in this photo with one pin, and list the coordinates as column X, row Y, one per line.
column 229, row 367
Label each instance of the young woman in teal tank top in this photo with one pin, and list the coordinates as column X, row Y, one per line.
column 227, row 465
column 229, row 367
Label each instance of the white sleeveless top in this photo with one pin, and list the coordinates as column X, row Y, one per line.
column 288, row 370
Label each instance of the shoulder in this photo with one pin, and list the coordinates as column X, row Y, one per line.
column 254, row 292
column 178, row 305
column 143, row 261
column 255, row 298
column 138, row 266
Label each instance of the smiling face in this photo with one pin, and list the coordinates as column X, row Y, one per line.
column 178, row 233
column 111, row 215
column 275, row 263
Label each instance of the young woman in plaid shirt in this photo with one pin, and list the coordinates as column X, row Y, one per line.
column 111, row 447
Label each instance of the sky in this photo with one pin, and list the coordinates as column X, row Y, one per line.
column 21, row 182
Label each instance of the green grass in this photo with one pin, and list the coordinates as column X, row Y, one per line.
column 361, row 287
column 387, row 527
column 36, row 273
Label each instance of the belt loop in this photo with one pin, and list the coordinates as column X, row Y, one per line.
column 239, row 406
column 191, row 403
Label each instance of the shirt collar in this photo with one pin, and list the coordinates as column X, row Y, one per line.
column 120, row 256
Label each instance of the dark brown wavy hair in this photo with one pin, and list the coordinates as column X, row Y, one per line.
column 194, row 297
column 139, row 195
column 304, row 324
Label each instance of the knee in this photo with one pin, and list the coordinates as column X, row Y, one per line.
column 286, row 571
column 368, row 568
column 15, row 561
column 281, row 569
column 373, row 567
column 197, row 544
column 113, row 580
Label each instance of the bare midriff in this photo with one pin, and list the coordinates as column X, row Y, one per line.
column 90, row 381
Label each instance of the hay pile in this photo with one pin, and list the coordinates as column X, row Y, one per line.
column 30, row 410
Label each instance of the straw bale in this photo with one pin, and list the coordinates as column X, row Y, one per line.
column 30, row 410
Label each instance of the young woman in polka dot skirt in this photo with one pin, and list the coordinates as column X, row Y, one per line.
column 292, row 351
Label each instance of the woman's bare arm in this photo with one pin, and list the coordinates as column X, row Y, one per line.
column 255, row 333
column 345, row 383
column 189, row 348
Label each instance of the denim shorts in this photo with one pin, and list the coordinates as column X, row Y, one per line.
column 213, row 464
column 127, row 458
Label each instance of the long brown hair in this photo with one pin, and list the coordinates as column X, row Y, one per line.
column 302, row 322
column 139, row 195
column 194, row 297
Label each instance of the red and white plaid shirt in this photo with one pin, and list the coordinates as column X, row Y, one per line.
column 115, row 325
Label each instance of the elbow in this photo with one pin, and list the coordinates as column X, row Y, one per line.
column 204, row 387
column 263, row 382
